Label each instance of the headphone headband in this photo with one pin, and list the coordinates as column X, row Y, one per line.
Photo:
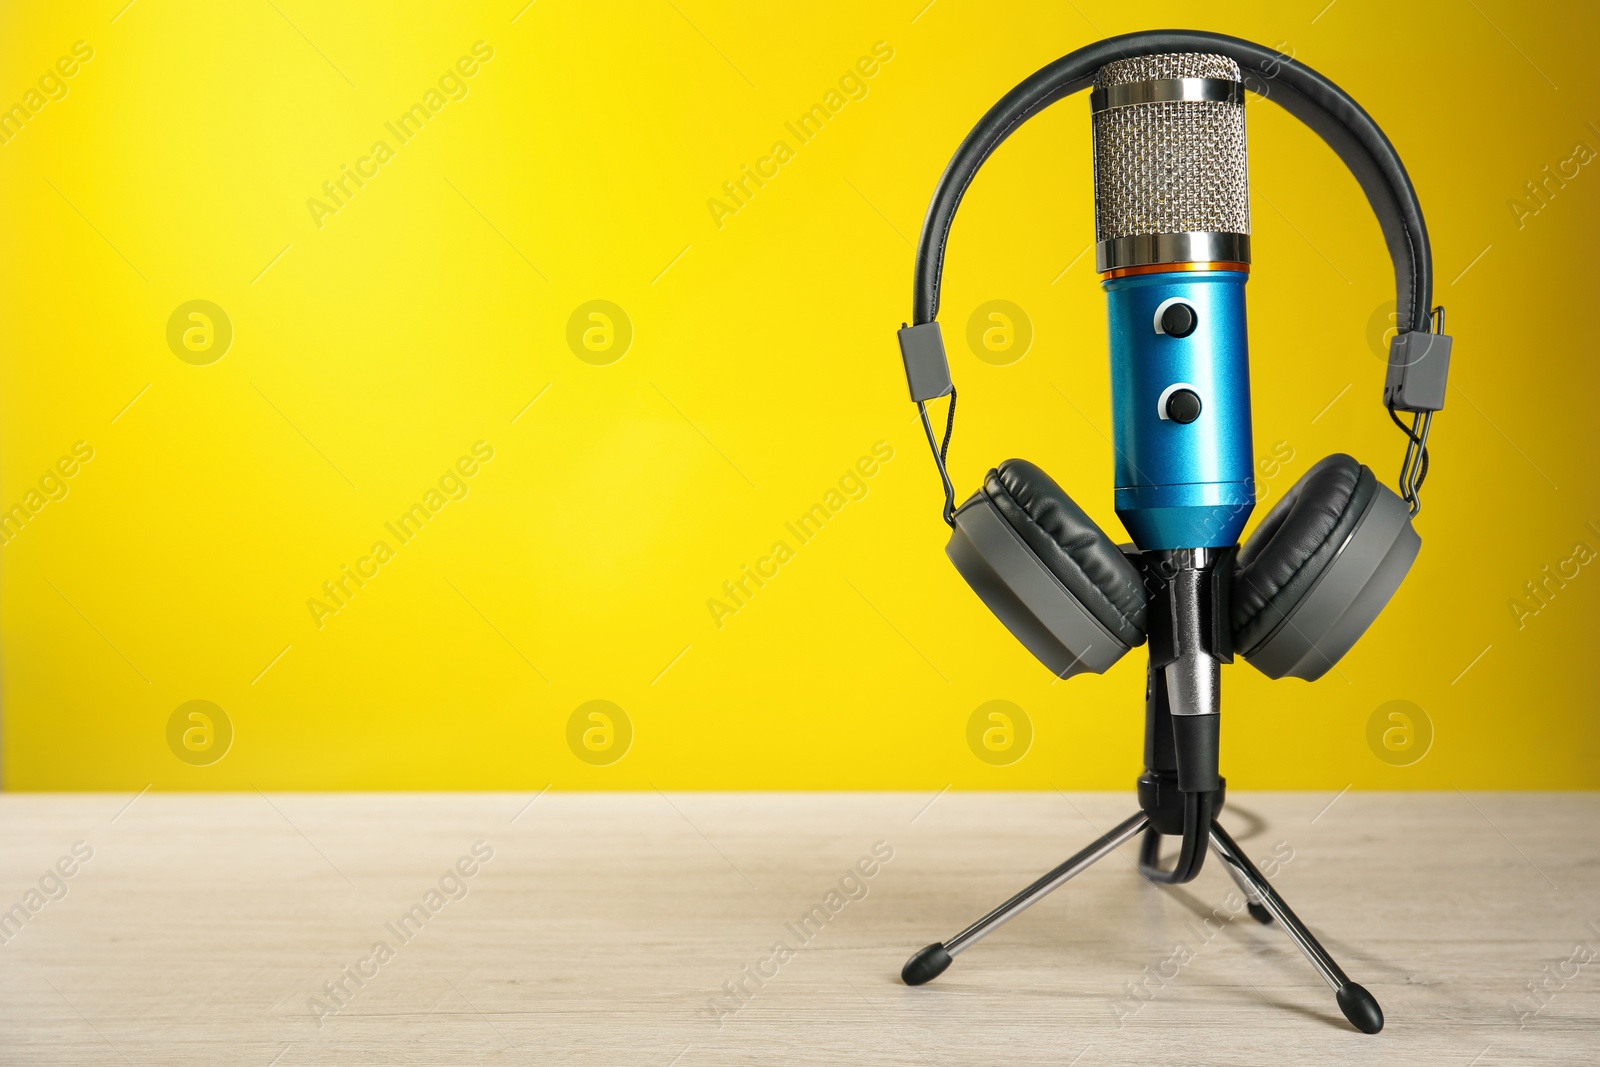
column 1419, row 355
column 1305, row 94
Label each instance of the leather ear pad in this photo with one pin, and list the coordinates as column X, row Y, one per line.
column 1071, row 547
column 1295, row 544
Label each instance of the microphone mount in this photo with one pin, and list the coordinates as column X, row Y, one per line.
column 1180, row 792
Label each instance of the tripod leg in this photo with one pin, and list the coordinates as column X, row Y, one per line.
column 1359, row 1006
column 931, row 962
column 1258, row 911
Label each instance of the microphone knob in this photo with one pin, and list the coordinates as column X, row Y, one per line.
column 1178, row 320
column 1183, row 405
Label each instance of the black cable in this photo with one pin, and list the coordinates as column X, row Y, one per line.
column 1198, row 811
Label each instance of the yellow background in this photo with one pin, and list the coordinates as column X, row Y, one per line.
column 371, row 352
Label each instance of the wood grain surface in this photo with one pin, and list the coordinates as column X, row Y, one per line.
column 608, row 929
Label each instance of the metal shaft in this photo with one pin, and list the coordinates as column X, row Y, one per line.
column 1245, row 887
column 1237, row 861
column 1098, row 849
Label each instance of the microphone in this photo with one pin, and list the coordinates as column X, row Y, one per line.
column 1172, row 232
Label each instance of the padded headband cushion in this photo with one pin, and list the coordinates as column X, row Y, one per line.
column 1294, row 545
column 1073, row 548
column 1304, row 93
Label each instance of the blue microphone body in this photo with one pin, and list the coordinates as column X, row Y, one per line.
column 1181, row 407
column 1172, row 232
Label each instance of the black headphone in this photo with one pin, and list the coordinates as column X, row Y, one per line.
column 1328, row 555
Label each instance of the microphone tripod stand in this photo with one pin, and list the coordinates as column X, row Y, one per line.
column 1180, row 792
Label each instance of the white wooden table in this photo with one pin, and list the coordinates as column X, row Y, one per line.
column 602, row 928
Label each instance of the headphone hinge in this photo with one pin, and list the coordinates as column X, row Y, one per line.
column 927, row 368
column 1419, row 364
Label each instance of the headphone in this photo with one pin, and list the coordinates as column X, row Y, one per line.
column 1328, row 555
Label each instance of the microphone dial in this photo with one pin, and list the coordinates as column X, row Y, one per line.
column 1183, row 406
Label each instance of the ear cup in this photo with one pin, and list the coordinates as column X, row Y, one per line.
column 1071, row 546
column 1048, row 573
column 1297, row 540
column 1319, row 568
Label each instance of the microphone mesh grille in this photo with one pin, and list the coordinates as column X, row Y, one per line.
column 1173, row 166
column 1170, row 65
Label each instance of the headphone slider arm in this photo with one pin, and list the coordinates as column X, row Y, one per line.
column 927, row 369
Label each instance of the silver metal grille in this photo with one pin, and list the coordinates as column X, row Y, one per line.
column 1172, row 166
column 1171, row 65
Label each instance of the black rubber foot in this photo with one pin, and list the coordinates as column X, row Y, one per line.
column 931, row 962
column 1260, row 914
column 1360, row 1007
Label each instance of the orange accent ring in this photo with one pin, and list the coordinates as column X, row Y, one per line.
column 1162, row 268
